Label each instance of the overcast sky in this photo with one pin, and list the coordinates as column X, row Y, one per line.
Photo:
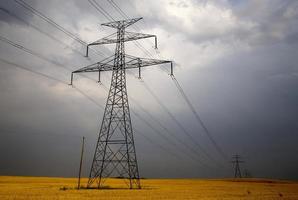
column 235, row 59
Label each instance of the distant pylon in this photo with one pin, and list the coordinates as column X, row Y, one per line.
column 247, row 174
column 115, row 154
column 236, row 161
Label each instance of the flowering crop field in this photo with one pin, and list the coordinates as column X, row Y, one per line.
column 41, row 188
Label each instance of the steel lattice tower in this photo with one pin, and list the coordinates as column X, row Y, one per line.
column 115, row 153
column 236, row 161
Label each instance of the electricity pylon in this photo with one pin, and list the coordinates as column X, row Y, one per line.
column 247, row 174
column 236, row 161
column 115, row 154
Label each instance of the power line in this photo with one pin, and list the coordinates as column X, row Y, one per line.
column 77, row 89
column 119, row 10
column 3, row 39
column 169, row 132
column 77, row 39
column 40, row 56
column 183, row 95
column 54, row 24
column 122, row 13
column 49, row 21
column 40, row 31
column 168, row 139
column 198, row 118
column 86, row 96
column 154, row 129
column 116, row 128
column 156, row 144
column 144, row 21
column 32, row 71
column 60, row 65
column 177, row 122
column 49, row 77
column 48, row 60
column 101, row 10
column 39, row 133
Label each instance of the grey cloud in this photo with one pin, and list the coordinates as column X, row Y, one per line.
column 247, row 96
column 256, row 23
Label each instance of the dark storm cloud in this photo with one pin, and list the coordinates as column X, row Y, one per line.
column 258, row 100
column 238, row 66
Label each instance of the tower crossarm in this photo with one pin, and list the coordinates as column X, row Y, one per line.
column 96, row 67
column 115, row 153
column 122, row 23
column 131, row 63
column 128, row 36
column 136, row 62
column 238, row 161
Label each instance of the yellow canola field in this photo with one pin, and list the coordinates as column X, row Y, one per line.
column 45, row 188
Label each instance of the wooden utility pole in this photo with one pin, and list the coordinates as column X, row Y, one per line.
column 81, row 161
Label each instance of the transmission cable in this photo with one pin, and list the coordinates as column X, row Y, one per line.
column 198, row 118
column 55, row 25
column 192, row 150
column 177, row 122
column 90, row 99
column 178, row 140
column 80, row 91
column 100, row 9
column 182, row 93
column 42, row 57
column 125, row 16
column 58, row 64
column 135, row 26
column 40, row 31
column 120, row 11
column 25, row 5
column 167, row 139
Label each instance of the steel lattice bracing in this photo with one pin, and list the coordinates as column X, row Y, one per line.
column 115, row 154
